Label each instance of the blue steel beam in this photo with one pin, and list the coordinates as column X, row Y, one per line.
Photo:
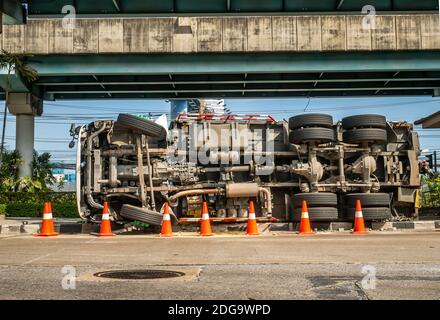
column 226, row 91
column 12, row 11
column 279, row 81
column 12, row 82
column 238, row 95
column 235, row 63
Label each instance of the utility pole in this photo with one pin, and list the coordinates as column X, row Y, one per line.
column 3, row 132
column 202, row 108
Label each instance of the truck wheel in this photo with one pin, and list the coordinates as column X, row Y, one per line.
column 311, row 120
column 324, row 199
column 370, row 214
column 317, row 134
column 147, row 127
column 324, row 214
column 368, row 199
column 365, row 135
column 364, row 121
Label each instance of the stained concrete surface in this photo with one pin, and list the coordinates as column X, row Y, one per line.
column 219, row 34
column 406, row 265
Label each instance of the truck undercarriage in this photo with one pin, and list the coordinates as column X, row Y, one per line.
column 137, row 165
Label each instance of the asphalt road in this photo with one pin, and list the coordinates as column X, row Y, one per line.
column 395, row 265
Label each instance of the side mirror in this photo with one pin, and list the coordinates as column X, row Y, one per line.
column 72, row 129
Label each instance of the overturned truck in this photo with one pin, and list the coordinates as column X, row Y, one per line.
column 137, row 165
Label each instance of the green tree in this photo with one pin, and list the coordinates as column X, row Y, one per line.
column 42, row 177
column 431, row 190
column 42, row 170
column 9, row 171
column 13, row 62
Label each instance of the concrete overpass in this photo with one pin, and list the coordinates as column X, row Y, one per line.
column 229, row 48
column 243, row 56
column 224, row 48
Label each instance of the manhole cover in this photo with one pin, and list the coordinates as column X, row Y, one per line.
column 139, row 274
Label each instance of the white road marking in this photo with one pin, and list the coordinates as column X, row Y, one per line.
column 43, row 256
column 37, row 258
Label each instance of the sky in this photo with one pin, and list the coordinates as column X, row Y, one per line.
column 52, row 128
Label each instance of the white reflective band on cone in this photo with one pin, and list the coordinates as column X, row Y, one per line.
column 252, row 216
column 305, row 215
column 205, row 216
column 47, row 216
column 358, row 214
column 105, row 216
column 166, row 217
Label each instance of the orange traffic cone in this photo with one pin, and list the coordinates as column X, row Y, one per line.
column 47, row 228
column 167, row 230
column 252, row 228
column 304, row 227
column 359, row 224
column 106, row 228
column 205, row 223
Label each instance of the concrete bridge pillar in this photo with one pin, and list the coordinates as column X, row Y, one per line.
column 24, row 142
column 25, row 107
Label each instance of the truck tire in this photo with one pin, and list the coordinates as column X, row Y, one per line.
column 324, row 214
column 368, row 199
column 364, row 121
column 311, row 120
column 324, row 199
column 365, row 135
column 147, row 127
column 320, row 135
column 144, row 215
column 370, row 214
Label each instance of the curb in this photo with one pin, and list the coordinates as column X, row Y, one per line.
column 62, row 228
column 87, row 228
column 407, row 225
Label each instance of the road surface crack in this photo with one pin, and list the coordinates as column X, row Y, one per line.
column 199, row 273
column 361, row 291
